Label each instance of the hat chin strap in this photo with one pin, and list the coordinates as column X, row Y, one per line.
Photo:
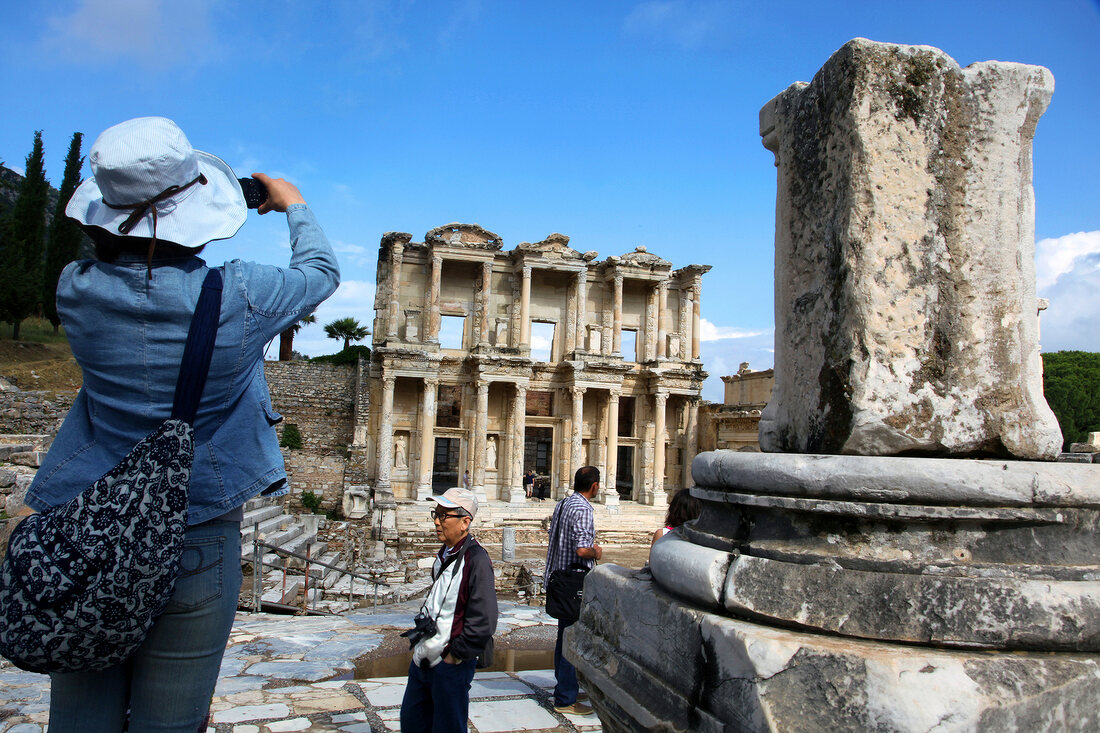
column 141, row 208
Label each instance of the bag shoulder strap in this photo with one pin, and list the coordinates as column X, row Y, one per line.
column 199, row 349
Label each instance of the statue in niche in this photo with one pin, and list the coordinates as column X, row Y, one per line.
column 491, row 453
column 401, row 452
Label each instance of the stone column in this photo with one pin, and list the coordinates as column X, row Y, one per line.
column 393, row 316
column 571, row 320
column 384, row 502
column 649, row 335
column 691, row 439
column 564, row 458
column 659, row 402
column 481, row 421
column 662, row 320
column 576, row 460
column 683, row 355
column 582, row 310
column 432, row 330
column 525, row 309
column 427, row 439
column 483, row 302
column 696, row 294
column 516, row 493
column 617, row 317
column 610, row 493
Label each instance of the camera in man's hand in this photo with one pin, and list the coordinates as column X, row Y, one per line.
column 423, row 627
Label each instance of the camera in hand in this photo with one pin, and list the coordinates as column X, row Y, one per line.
column 423, row 627
column 255, row 192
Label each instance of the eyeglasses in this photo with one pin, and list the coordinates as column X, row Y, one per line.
column 442, row 516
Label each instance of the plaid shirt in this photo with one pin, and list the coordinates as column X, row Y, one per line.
column 577, row 520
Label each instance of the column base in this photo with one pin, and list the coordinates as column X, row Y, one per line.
column 479, row 493
column 424, row 492
column 609, row 498
column 658, row 498
column 515, row 495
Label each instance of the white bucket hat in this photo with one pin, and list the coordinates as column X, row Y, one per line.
column 147, row 181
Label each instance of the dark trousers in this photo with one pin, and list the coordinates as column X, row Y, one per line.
column 437, row 700
column 565, row 674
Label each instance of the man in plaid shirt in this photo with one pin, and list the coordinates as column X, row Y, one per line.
column 572, row 540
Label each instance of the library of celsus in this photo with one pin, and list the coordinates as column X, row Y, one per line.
column 539, row 358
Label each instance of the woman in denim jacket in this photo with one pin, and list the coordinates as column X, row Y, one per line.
column 151, row 206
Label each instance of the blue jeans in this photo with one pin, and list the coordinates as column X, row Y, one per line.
column 437, row 700
column 168, row 682
column 565, row 674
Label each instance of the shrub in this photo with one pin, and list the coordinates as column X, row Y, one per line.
column 349, row 355
column 311, row 501
column 292, row 437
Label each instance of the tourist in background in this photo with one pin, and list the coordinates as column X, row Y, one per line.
column 683, row 508
column 462, row 610
column 572, row 540
column 151, row 205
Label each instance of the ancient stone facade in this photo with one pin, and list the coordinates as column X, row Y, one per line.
column 538, row 358
column 735, row 424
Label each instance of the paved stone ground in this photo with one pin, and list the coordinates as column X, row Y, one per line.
column 286, row 673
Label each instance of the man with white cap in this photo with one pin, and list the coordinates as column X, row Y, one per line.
column 455, row 624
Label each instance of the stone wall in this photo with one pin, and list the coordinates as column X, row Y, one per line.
column 323, row 474
column 32, row 412
column 318, row 398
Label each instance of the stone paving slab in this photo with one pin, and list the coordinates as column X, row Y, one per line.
column 293, row 673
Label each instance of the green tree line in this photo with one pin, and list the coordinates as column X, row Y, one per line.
column 1071, row 381
column 35, row 247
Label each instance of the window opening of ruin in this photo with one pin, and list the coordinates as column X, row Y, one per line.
column 626, row 417
column 451, row 330
column 448, row 406
column 624, row 472
column 540, row 404
column 630, row 344
column 445, row 464
column 542, row 340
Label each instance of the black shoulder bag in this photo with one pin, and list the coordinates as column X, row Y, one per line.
column 565, row 587
column 84, row 581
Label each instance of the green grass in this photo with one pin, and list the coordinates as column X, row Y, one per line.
column 38, row 330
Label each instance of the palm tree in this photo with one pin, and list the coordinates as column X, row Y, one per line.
column 347, row 329
column 286, row 338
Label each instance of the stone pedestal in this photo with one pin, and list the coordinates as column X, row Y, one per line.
column 853, row 593
column 651, row 661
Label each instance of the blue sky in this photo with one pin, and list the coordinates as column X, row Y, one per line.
column 615, row 123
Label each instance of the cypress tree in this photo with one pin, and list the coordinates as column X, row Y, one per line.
column 65, row 235
column 24, row 240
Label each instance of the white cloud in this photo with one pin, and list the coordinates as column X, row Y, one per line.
column 723, row 356
column 1055, row 257
column 1073, row 319
column 355, row 299
column 158, row 34
column 711, row 332
column 689, row 24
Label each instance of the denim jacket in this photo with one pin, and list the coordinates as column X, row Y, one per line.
column 127, row 333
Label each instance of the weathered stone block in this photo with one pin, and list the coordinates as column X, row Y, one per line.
column 741, row 676
column 906, row 316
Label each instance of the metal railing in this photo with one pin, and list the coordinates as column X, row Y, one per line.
column 257, row 574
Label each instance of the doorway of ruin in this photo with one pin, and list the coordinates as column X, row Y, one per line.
column 624, row 472
column 445, row 464
column 538, row 452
